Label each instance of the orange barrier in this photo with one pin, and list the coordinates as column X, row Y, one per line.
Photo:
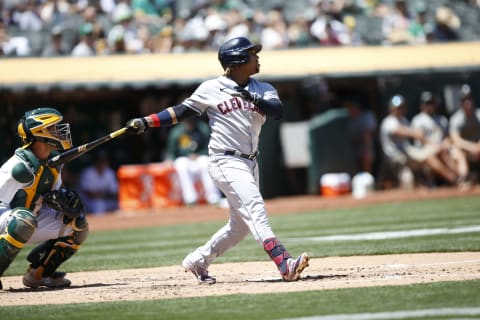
column 166, row 188
column 134, row 190
column 154, row 185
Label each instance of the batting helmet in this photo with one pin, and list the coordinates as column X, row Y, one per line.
column 235, row 51
column 43, row 124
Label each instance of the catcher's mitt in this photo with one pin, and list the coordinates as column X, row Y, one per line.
column 66, row 201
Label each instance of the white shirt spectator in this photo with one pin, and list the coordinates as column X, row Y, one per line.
column 99, row 187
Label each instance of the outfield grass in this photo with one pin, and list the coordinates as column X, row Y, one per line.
column 167, row 245
column 159, row 246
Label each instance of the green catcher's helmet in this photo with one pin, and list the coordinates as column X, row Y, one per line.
column 43, row 124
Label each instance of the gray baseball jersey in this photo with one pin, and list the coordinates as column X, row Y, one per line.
column 235, row 123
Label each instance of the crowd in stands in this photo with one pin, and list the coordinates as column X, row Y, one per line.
column 432, row 149
column 107, row 27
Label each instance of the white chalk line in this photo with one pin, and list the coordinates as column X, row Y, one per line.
column 404, row 314
column 388, row 235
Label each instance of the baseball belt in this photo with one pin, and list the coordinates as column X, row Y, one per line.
column 249, row 156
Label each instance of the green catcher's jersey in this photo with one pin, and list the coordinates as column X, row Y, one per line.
column 24, row 179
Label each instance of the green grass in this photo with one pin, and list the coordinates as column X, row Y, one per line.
column 159, row 246
column 268, row 306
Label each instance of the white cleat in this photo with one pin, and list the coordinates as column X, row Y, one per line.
column 56, row 280
column 199, row 272
column 296, row 267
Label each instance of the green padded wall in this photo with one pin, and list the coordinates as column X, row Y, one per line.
column 330, row 146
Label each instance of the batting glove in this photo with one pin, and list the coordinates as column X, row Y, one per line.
column 240, row 92
column 137, row 126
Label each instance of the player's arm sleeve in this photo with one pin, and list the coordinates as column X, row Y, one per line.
column 269, row 103
column 272, row 108
column 170, row 116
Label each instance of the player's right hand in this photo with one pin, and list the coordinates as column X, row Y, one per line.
column 137, row 126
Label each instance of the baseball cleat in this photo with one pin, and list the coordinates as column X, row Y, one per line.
column 296, row 266
column 56, row 280
column 199, row 272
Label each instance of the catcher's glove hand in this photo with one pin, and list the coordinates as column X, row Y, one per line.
column 240, row 92
column 66, row 201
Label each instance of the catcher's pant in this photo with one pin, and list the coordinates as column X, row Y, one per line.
column 50, row 225
column 237, row 178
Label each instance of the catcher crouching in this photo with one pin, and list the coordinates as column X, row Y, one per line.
column 35, row 207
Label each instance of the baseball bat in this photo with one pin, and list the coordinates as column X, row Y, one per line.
column 76, row 152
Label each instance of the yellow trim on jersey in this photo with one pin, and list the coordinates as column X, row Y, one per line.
column 14, row 242
column 32, row 189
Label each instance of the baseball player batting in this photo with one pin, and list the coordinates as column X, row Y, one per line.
column 237, row 106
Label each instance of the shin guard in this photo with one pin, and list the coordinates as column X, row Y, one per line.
column 49, row 255
column 18, row 231
column 278, row 254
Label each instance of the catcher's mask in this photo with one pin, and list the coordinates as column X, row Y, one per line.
column 43, row 124
column 235, row 51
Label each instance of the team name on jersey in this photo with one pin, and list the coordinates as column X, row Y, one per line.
column 235, row 104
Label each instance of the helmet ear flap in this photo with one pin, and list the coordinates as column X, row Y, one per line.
column 26, row 132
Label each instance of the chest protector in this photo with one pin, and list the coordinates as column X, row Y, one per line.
column 37, row 174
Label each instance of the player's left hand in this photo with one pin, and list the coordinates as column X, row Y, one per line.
column 240, row 92
column 66, row 201
column 137, row 126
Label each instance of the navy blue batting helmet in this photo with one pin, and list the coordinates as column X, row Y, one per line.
column 235, row 51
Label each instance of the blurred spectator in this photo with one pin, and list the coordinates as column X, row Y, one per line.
column 435, row 129
column 216, row 26
column 187, row 148
column 13, row 46
column 245, row 24
column 25, row 17
column 56, row 47
column 274, row 35
column 54, row 12
column 464, row 127
column 330, row 38
column 403, row 157
column 354, row 35
column 153, row 12
column 99, row 186
column 329, row 29
column 123, row 18
column 99, row 26
column 116, row 40
column 164, row 26
column 107, row 6
column 363, row 127
column 86, row 46
column 299, row 33
column 447, row 24
column 163, row 41
column 420, row 28
column 396, row 24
